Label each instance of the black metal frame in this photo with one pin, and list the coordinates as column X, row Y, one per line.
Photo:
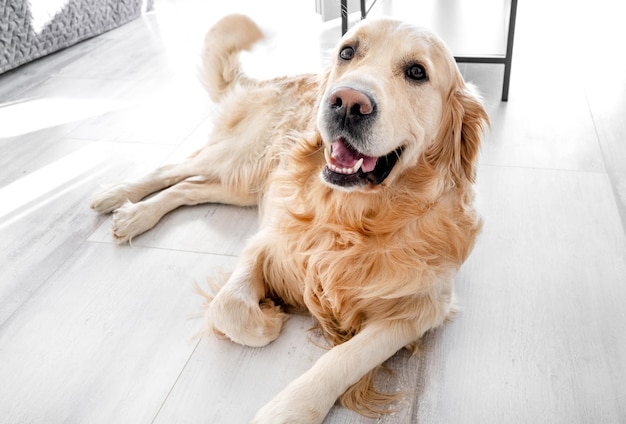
column 505, row 60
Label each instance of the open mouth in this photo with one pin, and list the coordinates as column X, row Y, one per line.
column 347, row 167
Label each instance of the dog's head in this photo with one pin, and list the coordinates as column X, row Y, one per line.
column 394, row 95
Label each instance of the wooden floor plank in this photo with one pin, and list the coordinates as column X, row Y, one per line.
column 45, row 214
column 225, row 382
column 102, row 343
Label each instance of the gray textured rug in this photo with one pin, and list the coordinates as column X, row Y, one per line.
column 30, row 29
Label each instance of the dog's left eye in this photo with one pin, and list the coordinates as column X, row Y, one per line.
column 347, row 53
column 416, row 72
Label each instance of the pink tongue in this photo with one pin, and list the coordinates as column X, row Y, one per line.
column 345, row 157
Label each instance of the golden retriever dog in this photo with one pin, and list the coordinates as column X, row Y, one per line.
column 363, row 175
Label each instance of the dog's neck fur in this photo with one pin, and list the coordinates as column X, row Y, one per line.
column 415, row 192
column 338, row 232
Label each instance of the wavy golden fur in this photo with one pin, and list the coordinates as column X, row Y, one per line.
column 363, row 176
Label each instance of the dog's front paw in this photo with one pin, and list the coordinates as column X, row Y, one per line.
column 245, row 322
column 109, row 199
column 130, row 220
column 289, row 408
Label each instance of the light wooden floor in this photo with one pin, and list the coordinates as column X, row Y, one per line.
column 91, row 332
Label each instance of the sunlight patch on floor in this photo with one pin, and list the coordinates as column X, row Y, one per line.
column 48, row 179
column 32, row 115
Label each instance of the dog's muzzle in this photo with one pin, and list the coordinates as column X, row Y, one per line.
column 349, row 117
column 351, row 113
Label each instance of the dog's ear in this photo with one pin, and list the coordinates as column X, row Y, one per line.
column 458, row 142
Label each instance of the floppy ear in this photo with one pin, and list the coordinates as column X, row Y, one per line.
column 462, row 126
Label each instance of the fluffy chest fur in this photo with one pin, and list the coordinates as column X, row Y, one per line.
column 353, row 257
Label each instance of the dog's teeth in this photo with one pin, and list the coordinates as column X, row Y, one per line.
column 335, row 168
column 356, row 167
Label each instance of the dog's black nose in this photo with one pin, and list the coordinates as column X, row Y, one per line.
column 350, row 105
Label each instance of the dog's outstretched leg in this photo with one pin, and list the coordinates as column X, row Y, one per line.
column 240, row 310
column 132, row 219
column 112, row 197
column 196, row 180
column 308, row 399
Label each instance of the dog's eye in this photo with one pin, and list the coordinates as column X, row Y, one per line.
column 416, row 72
column 347, row 53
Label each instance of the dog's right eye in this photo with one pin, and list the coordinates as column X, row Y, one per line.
column 416, row 72
column 347, row 53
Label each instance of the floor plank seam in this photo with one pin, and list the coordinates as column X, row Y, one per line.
column 178, row 377
column 168, row 249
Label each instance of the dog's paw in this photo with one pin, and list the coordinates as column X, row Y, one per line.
column 109, row 199
column 244, row 322
column 289, row 408
column 130, row 220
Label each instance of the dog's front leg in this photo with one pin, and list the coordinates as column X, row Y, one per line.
column 308, row 399
column 240, row 310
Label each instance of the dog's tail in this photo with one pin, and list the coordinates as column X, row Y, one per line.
column 220, row 54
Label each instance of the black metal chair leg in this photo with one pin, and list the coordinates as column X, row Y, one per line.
column 344, row 17
column 509, row 52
